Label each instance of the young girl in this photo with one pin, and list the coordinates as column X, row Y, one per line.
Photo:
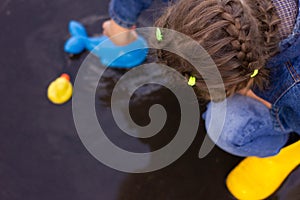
column 255, row 45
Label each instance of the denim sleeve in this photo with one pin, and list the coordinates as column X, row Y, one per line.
column 126, row 12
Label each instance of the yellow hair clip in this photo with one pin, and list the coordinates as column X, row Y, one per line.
column 159, row 35
column 255, row 72
column 192, row 81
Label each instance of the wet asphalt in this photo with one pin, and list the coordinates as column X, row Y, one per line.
column 41, row 155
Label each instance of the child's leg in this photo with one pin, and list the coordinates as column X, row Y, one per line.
column 112, row 30
column 126, row 12
column 288, row 110
column 248, row 128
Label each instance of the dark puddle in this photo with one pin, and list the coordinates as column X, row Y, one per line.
column 41, row 156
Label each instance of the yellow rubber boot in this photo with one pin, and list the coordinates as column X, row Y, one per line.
column 257, row 178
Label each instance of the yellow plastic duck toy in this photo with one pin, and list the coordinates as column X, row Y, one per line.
column 60, row 90
column 257, row 178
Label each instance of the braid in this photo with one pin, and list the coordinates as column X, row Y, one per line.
column 269, row 21
column 268, row 24
column 244, row 28
column 239, row 38
column 240, row 30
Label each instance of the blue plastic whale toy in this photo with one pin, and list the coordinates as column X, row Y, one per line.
column 109, row 54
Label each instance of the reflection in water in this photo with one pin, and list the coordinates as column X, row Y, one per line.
column 290, row 189
column 188, row 177
column 143, row 98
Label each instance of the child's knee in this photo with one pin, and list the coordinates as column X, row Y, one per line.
column 248, row 128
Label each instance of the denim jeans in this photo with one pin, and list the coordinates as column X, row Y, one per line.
column 126, row 12
column 250, row 128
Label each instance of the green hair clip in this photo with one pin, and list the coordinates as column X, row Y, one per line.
column 192, row 81
column 159, row 35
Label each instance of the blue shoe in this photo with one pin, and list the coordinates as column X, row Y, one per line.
column 109, row 54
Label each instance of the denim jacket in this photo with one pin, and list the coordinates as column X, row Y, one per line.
column 284, row 89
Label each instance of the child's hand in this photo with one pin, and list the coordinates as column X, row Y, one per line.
column 119, row 35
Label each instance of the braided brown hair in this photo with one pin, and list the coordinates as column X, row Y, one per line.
column 239, row 35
